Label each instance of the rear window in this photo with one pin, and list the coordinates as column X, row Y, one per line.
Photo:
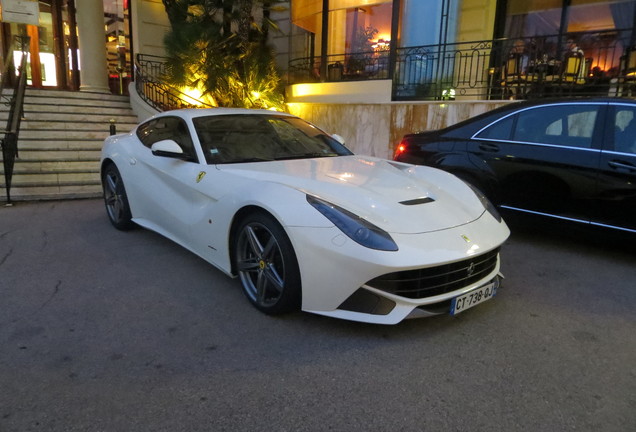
column 500, row 130
column 564, row 125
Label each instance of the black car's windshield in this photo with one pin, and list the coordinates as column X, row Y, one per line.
column 239, row 138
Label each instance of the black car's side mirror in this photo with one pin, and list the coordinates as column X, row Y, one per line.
column 338, row 138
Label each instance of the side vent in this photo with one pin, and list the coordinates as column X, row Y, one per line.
column 417, row 201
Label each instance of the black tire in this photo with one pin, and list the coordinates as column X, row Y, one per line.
column 267, row 266
column 115, row 199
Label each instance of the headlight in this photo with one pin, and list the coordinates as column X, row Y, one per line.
column 356, row 228
column 485, row 202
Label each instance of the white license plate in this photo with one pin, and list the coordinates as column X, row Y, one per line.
column 473, row 298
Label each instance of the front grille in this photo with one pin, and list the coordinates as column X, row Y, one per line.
column 432, row 281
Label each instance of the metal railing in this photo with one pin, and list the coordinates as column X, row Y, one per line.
column 16, row 105
column 369, row 65
column 150, row 72
column 543, row 67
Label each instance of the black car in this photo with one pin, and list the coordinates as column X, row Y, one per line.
column 572, row 159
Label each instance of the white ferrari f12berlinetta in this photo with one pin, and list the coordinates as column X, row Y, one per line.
column 302, row 221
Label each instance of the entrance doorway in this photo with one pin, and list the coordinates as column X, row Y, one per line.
column 53, row 60
column 53, row 46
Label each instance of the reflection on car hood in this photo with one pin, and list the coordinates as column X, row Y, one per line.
column 398, row 198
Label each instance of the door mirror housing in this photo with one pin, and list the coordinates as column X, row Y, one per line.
column 338, row 138
column 168, row 148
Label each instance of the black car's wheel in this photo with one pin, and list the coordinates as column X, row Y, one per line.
column 267, row 265
column 115, row 198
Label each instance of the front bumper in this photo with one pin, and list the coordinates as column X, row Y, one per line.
column 336, row 271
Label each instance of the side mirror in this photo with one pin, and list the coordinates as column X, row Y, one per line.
column 338, row 138
column 168, row 148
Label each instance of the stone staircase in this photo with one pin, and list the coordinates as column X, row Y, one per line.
column 60, row 141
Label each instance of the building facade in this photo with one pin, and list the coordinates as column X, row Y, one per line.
column 83, row 45
column 445, row 49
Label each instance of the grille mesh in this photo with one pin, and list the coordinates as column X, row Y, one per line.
column 432, row 281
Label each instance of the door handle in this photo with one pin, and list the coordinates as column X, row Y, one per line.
column 133, row 161
column 489, row 147
column 622, row 165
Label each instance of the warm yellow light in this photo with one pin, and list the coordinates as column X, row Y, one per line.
column 256, row 95
column 300, row 90
column 192, row 95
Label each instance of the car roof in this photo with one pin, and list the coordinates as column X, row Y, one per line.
column 474, row 124
column 190, row 113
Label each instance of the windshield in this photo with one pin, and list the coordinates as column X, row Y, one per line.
column 257, row 137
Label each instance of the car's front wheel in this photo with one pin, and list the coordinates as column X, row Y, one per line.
column 267, row 265
column 116, row 199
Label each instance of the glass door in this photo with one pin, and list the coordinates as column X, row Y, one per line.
column 48, row 60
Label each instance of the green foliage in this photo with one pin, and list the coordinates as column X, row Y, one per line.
column 215, row 46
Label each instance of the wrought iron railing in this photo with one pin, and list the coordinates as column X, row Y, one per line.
column 150, row 72
column 341, row 67
column 492, row 69
column 9, row 143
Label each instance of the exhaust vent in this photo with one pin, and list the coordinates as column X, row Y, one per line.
column 417, row 201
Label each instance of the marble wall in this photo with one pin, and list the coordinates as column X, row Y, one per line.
column 375, row 129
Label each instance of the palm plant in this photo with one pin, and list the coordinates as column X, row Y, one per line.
column 215, row 46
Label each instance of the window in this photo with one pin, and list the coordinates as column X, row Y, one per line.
column 533, row 17
column 563, row 125
column 356, row 37
column 602, row 30
column 164, row 128
column 498, row 131
column 625, row 130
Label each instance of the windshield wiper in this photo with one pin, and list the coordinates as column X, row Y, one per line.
column 307, row 156
column 254, row 159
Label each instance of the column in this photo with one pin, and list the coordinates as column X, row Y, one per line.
column 92, row 46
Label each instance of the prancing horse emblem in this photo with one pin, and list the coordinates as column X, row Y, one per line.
column 200, row 176
column 471, row 269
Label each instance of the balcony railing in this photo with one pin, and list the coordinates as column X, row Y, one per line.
column 341, row 67
column 493, row 69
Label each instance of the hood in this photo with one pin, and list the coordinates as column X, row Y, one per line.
column 397, row 197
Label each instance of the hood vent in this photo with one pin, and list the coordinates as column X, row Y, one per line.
column 417, row 201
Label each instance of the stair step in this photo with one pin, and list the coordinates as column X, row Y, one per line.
column 53, row 166
column 60, row 143
column 74, row 125
column 101, row 134
column 48, row 144
column 58, row 178
column 82, row 115
column 52, row 192
column 31, row 155
column 55, row 105
column 52, row 108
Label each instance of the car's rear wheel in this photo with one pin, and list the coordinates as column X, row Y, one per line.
column 116, row 199
column 267, row 265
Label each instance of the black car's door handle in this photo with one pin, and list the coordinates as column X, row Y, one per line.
column 489, row 147
column 622, row 165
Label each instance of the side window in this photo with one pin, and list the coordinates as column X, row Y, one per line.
column 498, row 131
column 625, row 129
column 163, row 128
column 143, row 133
column 563, row 125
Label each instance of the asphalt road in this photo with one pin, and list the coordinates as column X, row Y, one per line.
column 102, row 330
